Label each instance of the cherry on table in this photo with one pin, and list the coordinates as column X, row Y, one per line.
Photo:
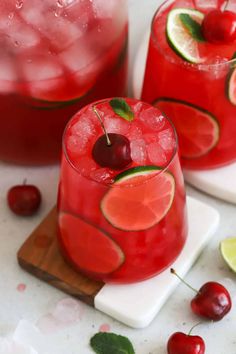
column 219, row 26
column 181, row 343
column 212, row 300
column 114, row 153
column 24, row 199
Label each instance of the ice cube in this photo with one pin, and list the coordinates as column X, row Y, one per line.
column 116, row 125
column 138, row 151
column 102, row 175
column 84, row 127
column 152, row 118
column 135, row 132
column 166, row 139
column 77, row 144
column 41, row 68
column 60, row 32
column 78, row 56
column 156, row 154
column 138, row 107
column 22, row 34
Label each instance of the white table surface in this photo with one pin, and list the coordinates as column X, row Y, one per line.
column 36, row 303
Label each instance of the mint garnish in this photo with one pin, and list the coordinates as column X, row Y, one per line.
column 121, row 107
column 192, row 26
column 111, row 343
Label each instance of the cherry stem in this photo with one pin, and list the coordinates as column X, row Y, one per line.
column 191, row 329
column 24, row 181
column 174, row 272
column 103, row 127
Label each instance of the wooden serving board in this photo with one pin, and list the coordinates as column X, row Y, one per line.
column 40, row 256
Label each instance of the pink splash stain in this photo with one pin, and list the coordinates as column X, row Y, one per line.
column 21, row 287
column 67, row 312
column 105, row 327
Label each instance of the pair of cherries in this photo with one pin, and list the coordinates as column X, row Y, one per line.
column 212, row 301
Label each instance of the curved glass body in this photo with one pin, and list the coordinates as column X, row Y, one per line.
column 56, row 56
column 125, row 225
column 199, row 98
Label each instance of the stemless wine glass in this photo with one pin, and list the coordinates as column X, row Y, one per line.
column 56, row 56
column 121, row 221
column 193, row 83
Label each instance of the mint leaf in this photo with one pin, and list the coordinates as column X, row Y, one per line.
column 121, row 107
column 192, row 26
column 111, row 343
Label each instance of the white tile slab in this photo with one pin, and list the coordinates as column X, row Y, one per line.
column 137, row 304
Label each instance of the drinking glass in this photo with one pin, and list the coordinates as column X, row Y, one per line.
column 121, row 223
column 56, row 56
column 200, row 98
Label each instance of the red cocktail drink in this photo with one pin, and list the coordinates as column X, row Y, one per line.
column 122, row 215
column 56, row 57
column 190, row 76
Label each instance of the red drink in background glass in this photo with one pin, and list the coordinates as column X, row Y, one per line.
column 198, row 97
column 56, row 57
column 128, row 224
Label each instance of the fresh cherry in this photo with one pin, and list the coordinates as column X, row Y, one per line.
column 24, row 199
column 219, row 26
column 181, row 343
column 114, row 154
column 212, row 300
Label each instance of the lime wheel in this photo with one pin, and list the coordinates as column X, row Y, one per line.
column 139, row 199
column 87, row 247
column 198, row 130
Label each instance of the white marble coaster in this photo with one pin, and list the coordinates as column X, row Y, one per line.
column 220, row 182
column 137, row 304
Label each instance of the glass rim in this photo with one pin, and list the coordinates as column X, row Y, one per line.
column 160, row 171
column 188, row 65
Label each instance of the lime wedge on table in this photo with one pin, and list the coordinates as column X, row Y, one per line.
column 184, row 41
column 228, row 251
column 198, row 130
column 139, row 199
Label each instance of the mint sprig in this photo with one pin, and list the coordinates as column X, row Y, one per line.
column 192, row 26
column 121, row 107
column 111, row 343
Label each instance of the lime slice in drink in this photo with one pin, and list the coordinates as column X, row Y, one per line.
column 184, row 33
column 139, row 198
column 89, row 248
column 228, row 251
column 198, row 130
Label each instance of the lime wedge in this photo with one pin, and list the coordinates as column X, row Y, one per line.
column 228, row 251
column 182, row 39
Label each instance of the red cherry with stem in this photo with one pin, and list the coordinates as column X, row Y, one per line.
column 219, row 26
column 24, row 200
column 212, row 300
column 181, row 343
column 111, row 150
